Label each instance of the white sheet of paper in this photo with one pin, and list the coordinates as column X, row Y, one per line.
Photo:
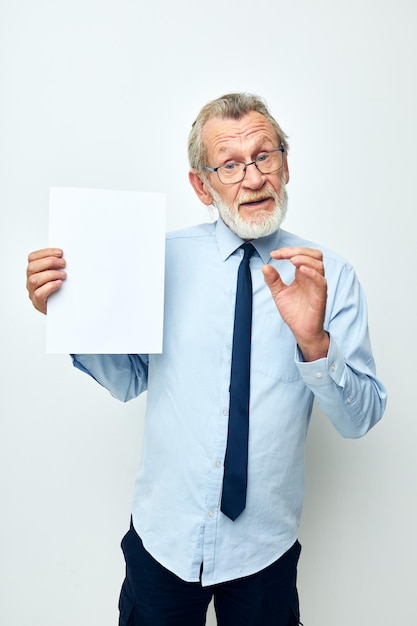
column 114, row 246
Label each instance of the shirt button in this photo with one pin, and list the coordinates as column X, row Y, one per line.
column 225, row 412
column 348, row 400
column 212, row 513
column 218, row 463
column 332, row 367
column 319, row 374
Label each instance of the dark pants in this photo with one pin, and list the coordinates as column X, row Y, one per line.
column 153, row 596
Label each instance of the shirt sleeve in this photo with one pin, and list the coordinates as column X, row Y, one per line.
column 124, row 375
column 345, row 383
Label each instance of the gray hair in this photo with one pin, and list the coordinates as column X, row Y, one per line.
column 230, row 106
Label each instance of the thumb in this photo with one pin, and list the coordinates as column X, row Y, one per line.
column 272, row 279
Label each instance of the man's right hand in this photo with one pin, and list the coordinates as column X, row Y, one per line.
column 45, row 274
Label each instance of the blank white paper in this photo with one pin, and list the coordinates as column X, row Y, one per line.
column 114, row 246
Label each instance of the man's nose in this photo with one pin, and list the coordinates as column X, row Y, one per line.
column 254, row 179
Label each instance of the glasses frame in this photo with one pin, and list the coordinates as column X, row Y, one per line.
column 246, row 165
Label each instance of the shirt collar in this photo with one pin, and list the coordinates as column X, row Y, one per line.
column 228, row 242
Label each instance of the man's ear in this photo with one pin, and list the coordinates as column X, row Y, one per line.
column 200, row 187
column 287, row 171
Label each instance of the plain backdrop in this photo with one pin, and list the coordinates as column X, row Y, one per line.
column 102, row 93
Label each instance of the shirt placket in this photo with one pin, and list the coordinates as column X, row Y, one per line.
column 215, row 482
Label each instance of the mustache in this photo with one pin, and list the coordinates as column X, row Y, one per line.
column 256, row 196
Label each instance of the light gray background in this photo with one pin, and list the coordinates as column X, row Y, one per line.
column 102, row 94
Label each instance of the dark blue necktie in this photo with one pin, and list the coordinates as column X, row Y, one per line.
column 236, row 461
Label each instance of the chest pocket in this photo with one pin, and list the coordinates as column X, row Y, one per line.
column 278, row 347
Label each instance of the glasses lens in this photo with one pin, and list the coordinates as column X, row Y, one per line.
column 234, row 172
column 231, row 173
column 269, row 162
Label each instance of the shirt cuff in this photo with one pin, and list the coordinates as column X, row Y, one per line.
column 323, row 371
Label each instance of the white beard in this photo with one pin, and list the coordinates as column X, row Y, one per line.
column 262, row 224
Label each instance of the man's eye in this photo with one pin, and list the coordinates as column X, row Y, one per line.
column 262, row 157
column 230, row 166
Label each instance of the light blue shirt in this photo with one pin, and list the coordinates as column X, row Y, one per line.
column 176, row 505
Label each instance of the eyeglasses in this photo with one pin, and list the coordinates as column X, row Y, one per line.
column 235, row 171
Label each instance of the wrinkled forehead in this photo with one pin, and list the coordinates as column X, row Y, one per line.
column 220, row 134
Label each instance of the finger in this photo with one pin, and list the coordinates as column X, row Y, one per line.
column 272, row 279
column 289, row 253
column 302, row 261
column 42, row 264
column 41, row 285
column 45, row 252
column 314, row 285
column 39, row 279
column 40, row 296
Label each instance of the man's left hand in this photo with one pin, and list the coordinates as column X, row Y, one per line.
column 302, row 303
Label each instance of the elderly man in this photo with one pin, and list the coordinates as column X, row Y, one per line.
column 258, row 324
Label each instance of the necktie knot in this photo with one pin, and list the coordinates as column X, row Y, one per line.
column 248, row 250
